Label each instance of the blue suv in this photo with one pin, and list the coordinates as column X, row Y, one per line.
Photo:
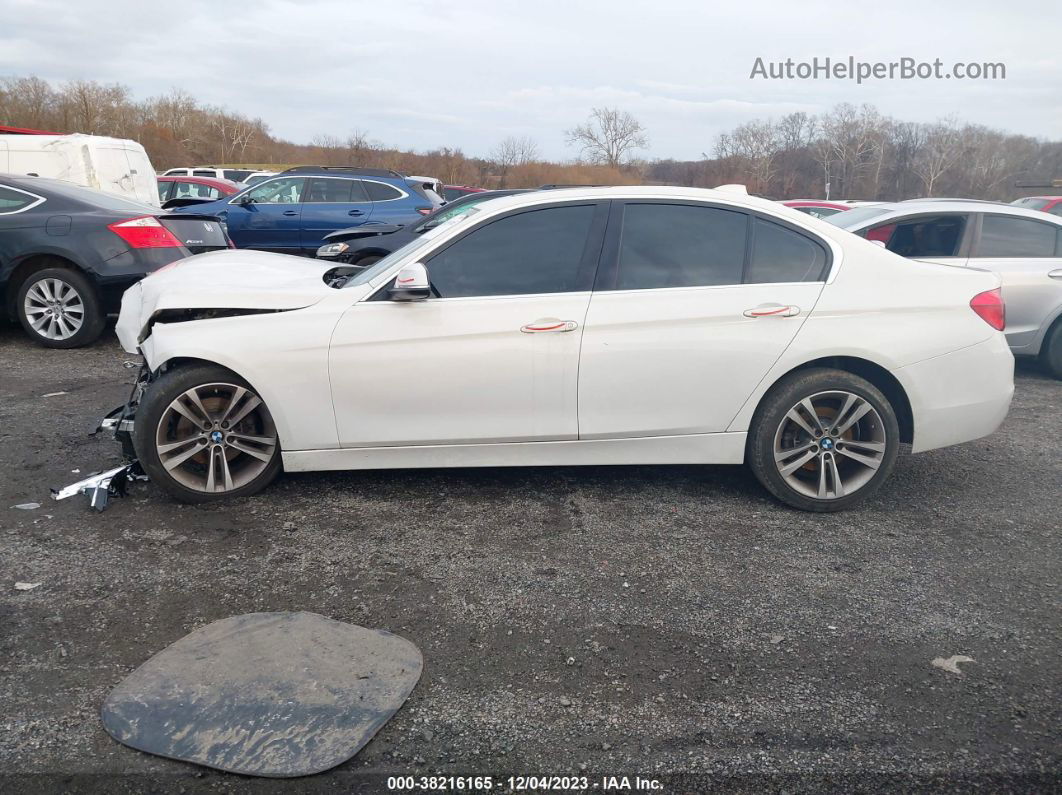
column 293, row 211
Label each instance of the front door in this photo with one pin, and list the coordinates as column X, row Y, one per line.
column 492, row 356
column 272, row 220
column 693, row 305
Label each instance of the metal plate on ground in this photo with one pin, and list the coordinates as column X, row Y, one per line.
column 265, row 694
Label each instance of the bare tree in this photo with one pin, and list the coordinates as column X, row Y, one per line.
column 609, row 137
column 512, row 152
column 939, row 152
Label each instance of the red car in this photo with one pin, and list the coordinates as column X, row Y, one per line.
column 451, row 192
column 1047, row 204
column 816, row 207
column 182, row 191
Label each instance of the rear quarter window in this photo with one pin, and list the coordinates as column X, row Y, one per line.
column 13, row 200
column 381, row 192
column 780, row 254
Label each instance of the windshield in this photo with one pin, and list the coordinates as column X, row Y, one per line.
column 417, row 243
column 853, row 219
column 444, row 214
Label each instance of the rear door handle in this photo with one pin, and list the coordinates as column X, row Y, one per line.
column 1056, row 273
column 549, row 324
column 772, row 310
column 355, row 212
column 291, row 212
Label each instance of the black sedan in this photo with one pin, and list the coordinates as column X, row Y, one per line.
column 361, row 246
column 68, row 253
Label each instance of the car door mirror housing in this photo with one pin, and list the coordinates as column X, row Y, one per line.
column 411, row 284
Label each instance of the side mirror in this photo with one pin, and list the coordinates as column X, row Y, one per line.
column 245, row 199
column 411, row 284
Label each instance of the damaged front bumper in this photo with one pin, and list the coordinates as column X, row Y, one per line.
column 101, row 486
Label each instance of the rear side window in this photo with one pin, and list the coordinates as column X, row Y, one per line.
column 540, row 251
column 782, row 255
column 676, row 245
column 12, row 201
column 1010, row 236
column 336, row 191
column 380, row 192
column 924, row 236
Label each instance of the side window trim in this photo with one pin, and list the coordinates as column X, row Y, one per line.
column 38, row 200
column 588, row 264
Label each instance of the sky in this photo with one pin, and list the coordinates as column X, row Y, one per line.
column 467, row 74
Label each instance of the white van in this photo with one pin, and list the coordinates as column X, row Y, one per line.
column 112, row 165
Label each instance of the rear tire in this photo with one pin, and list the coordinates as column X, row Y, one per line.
column 823, row 440
column 59, row 308
column 1051, row 355
column 201, row 433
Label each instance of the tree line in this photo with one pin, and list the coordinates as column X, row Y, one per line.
column 857, row 151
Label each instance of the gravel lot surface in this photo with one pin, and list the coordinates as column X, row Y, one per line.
column 670, row 622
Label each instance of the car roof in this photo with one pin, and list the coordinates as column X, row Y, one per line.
column 959, row 205
column 213, row 181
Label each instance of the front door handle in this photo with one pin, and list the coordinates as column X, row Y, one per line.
column 355, row 212
column 290, row 212
column 772, row 310
column 1056, row 273
column 549, row 324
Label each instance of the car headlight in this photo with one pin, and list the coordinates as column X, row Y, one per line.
column 332, row 249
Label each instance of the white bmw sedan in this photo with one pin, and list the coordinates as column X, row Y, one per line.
column 624, row 325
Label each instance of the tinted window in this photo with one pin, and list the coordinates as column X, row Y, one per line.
column 13, row 200
column 235, row 174
column 1008, row 236
column 329, row 190
column 194, row 190
column 164, row 190
column 379, row 192
column 782, row 255
column 287, row 190
column 674, row 245
column 924, row 236
column 533, row 252
column 205, row 172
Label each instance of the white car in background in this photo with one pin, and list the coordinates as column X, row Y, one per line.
column 1023, row 246
column 622, row 325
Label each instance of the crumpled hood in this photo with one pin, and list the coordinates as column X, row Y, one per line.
column 233, row 279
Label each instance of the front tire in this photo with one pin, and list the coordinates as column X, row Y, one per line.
column 202, row 433
column 59, row 308
column 823, row 440
column 1051, row 355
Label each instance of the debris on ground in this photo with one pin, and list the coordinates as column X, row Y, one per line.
column 101, row 486
column 28, row 506
column 55, row 394
column 265, row 694
column 951, row 664
column 26, row 586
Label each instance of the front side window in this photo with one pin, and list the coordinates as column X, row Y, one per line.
column 1010, row 236
column 381, row 192
column 782, row 255
column 287, row 190
column 676, row 245
column 924, row 236
column 534, row 252
column 13, row 201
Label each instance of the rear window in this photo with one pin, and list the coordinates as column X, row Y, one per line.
column 380, row 192
column 204, row 172
column 1009, row 236
column 236, row 174
column 13, row 200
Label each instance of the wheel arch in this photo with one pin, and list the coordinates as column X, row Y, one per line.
column 879, row 376
column 28, row 264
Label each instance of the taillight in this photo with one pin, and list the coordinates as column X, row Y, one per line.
column 425, row 210
column 990, row 308
column 144, row 232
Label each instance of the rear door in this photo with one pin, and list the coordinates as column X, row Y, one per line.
column 272, row 220
column 1027, row 254
column 332, row 203
column 693, row 305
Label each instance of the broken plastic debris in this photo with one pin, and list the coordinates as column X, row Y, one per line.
column 28, row 506
column 951, row 664
column 54, row 394
column 26, row 586
column 102, row 486
column 265, row 694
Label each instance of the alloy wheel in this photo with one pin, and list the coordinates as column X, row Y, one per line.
column 215, row 438
column 830, row 444
column 54, row 309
